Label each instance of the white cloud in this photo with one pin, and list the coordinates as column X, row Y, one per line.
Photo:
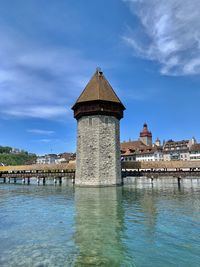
column 43, row 112
column 169, row 34
column 40, row 131
column 38, row 81
column 45, row 140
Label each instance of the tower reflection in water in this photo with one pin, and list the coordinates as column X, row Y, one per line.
column 99, row 227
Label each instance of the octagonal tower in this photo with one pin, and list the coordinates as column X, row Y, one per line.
column 98, row 111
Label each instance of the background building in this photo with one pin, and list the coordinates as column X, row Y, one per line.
column 142, row 149
column 56, row 159
column 195, row 152
column 146, row 135
column 145, row 150
column 177, row 150
column 47, row 159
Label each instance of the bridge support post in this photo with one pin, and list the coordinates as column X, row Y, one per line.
column 28, row 180
column 43, row 180
column 60, row 180
column 15, row 180
column 55, row 181
column 73, row 178
column 179, row 181
column 4, row 180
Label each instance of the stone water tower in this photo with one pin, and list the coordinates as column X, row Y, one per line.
column 98, row 111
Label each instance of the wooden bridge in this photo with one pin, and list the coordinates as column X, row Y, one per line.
column 59, row 172
column 39, row 173
column 162, row 169
column 161, row 174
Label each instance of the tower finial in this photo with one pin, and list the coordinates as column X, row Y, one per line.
column 99, row 71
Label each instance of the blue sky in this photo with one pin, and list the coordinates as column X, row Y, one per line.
column 149, row 50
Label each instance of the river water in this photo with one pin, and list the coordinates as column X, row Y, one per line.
column 146, row 225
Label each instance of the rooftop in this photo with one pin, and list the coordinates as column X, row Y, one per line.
column 145, row 132
column 98, row 88
column 195, row 147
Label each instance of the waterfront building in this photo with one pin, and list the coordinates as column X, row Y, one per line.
column 98, row 111
column 138, row 151
column 150, row 154
column 195, row 152
column 142, row 149
column 47, row 159
column 128, row 150
column 177, row 150
column 65, row 157
column 56, row 159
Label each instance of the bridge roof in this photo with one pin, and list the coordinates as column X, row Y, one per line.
column 39, row 167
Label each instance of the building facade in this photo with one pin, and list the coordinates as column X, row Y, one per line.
column 144, row 150
column 47, row 159
column 195, row 152
column 138, row 151
column 177, row 150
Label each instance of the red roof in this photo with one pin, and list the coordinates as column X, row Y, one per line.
column 195, row 147
column 145, row 132
column 132, row 145
column 137, row 147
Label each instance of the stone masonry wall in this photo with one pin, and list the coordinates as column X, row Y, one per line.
column 98, row 151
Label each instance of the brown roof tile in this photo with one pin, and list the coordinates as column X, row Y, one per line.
column 132, row 145
column 195, row 147
column 98, row 88
column 137, row 147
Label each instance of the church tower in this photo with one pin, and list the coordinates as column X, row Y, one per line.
column 146, row 135
column 98, row 111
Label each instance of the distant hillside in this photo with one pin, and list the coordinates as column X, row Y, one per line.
column 8, row 156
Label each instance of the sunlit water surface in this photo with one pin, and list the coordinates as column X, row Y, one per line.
column 149, row 225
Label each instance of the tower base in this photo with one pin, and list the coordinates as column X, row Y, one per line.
column 98, row 151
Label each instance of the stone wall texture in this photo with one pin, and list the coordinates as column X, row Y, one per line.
column 98, row 151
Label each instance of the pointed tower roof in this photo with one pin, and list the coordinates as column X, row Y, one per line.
column 98, row 88
column 98, row 97
column 145, row 132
